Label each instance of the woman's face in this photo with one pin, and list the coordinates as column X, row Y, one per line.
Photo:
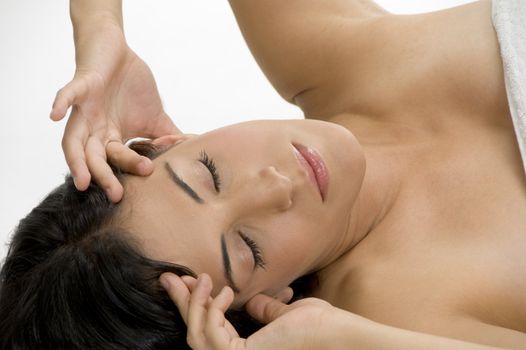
column 263, row 222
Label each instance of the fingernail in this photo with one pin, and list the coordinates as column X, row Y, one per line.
column 75, row 182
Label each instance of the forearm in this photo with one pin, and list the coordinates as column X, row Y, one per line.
column 90, row 18
column 366, row 334
column 85, row 13
column 98, row 31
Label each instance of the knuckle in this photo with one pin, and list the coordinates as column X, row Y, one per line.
column 94, row 155
column 117, row 155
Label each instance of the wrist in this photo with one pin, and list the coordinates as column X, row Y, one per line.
column 348, row 330
column 88, row 14
column 353, row 331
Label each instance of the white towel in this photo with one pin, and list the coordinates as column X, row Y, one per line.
column 509, row 20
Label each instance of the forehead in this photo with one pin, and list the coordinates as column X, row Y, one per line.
column 167, row 224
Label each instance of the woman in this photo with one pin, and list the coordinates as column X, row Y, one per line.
column 402, row 220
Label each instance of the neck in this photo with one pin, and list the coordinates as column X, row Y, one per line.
column 378, row 194
column 388, row 149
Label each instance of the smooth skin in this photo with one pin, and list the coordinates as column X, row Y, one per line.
column 443, row 198
column 264, row 194
column 307, row 324
column 114, row 98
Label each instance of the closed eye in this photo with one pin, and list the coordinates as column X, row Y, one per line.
column 256, row 252
column 210, row 164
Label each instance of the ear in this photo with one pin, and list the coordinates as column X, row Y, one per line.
column 169, row 140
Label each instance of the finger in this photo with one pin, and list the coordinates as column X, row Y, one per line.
column 70, row 94
column 178, row 292
column 101, row 171
column 197, row 311
column 127, row 159
column 232, row 332
column 285, row 295
column 216, row 324
column 73, row 142
column 265, row 309
column 218, row 307
column 190, row 282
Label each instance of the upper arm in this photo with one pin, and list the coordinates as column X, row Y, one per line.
column 299, row 44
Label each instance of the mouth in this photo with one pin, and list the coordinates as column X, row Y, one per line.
column 314, row 166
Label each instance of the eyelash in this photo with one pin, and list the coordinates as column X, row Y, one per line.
column 211, row 165
column 256, row 252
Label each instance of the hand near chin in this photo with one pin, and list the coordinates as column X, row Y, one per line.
column 302, row 325
column 114, row 98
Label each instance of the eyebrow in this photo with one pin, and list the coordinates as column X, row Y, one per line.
column 227, row 266
column 183, row 185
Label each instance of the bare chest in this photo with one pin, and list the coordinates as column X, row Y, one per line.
column 450, row 258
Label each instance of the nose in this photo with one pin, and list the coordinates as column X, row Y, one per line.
column 269, row 190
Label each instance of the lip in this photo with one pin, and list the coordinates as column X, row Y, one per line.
column 315, row 167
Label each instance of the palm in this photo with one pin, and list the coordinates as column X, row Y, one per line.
column 114, row 98
column 135, row 106
column 298, row 326
column 123, row 105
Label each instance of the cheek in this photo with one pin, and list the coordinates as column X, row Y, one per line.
column 292, row 249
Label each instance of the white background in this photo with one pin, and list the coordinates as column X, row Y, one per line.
column 206, row 76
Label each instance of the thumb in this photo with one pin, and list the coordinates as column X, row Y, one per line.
column 164, row 126
column 66, row 97
column 265, row 309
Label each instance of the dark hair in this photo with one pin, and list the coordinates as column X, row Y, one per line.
column 73, row 280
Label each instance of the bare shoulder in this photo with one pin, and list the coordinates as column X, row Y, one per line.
column 298, row 44
column 461, row 66
column 333, row 57
column 415, row 66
